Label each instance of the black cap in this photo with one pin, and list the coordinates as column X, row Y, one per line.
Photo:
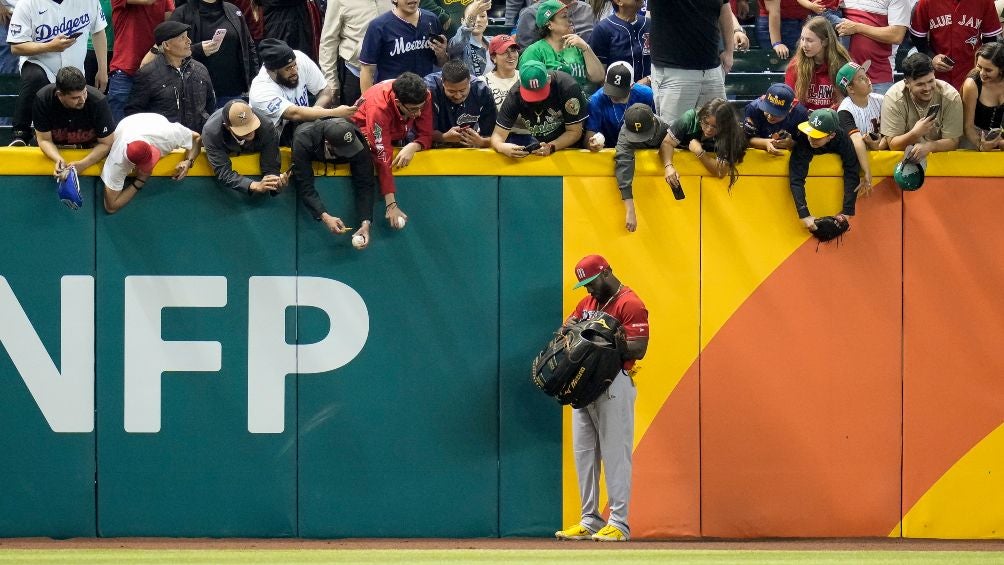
column 275, row 54
column 343, row 137
column 639, row 123
column 169, row 30
column 618, row 83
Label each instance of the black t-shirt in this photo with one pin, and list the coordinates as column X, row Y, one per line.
column 546, row 120
column 73, row 127
column 685, row 33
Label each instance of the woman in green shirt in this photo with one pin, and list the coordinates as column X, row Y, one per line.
column 561, row 49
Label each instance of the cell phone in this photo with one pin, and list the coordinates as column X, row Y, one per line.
column 532, row 147
column 438, row 38
column 874, row 135
column 783, row 134
column 219, row 35
column 933, row 110
column 75, row 34
column 992, row 134
column 463, row 126
column 677, row 189
column 949, row 60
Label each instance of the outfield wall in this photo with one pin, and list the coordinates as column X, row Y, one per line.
column 850, row 390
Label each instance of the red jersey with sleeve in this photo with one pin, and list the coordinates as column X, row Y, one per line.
column 790, row 10
column 133, row 27
column 876, row 13
column 629, row 310
column 820, row 91
column 957, row 29
column 381, row 122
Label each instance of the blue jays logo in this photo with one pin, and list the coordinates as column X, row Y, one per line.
column 972, row 41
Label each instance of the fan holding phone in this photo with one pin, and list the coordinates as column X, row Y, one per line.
column 921, row 111
column 981, row 93
column 222, row 42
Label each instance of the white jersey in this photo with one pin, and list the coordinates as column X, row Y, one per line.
column 42, row 20
column 272, row 98
column 867, row 119
column 154, row 129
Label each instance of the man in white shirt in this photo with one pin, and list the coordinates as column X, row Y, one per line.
column 140, row 141
column 282, row 86
column 48, row 36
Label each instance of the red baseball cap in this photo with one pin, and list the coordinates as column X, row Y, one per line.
column 500, row 44
column 143, row 155
column 588, row 268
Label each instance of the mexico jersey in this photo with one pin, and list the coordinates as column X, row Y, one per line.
column 627, row 307
column 42, row 20
column 955, row 29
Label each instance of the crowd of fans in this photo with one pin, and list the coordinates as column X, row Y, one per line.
column 349, row 81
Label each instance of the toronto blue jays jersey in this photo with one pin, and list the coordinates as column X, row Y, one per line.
column 395, row 46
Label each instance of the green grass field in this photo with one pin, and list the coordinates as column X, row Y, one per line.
column 619, row 556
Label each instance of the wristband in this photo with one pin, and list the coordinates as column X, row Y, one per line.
column 701, row 154
column 776, row 43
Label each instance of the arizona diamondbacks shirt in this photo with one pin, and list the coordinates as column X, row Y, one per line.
column 43, row 20
column 273, row 98
column 396, row 46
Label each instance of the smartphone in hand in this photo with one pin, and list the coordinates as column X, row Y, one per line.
column 532, row 147
column 949, row 60
column 992, row 134
column 219, row 35
column 75, row 34
column 933, row 110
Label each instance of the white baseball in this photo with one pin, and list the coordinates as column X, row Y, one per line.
column 599, row 138
column 358, row 241
column 399, row 222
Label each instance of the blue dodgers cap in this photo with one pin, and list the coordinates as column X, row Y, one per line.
column 778, row 100
column 68, row 190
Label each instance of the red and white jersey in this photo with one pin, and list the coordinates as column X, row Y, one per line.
column 876, row 13
column 627, row 307
column 957, row 29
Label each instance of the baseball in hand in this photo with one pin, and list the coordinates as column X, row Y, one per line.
column 599, row 139
column 358, row 241
column 399, row 222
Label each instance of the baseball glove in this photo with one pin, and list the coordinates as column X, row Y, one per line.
column 830, row 227
column 579, row 364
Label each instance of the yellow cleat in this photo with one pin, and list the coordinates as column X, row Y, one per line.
column 576, row 532
column 609, row 533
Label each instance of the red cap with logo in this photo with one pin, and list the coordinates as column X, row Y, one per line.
column 143, row 155
column 588, row 268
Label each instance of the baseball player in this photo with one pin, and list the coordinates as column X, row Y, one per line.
column 604, row 430
column 951, row 31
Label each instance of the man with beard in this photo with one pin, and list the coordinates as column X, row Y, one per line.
column 281, row 89
column 71, row 114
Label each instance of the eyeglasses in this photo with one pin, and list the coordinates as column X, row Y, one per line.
column 410, row 108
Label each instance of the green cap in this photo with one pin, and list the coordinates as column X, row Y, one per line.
column 909, row 175
column 547, row 10
column 845, row 76
column 821, row 123
column 534, row 83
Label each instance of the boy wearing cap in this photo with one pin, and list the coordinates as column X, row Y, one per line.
column 608, row 104
column 173, row 85
column 71, row 113
column 405, row 39
column 140, row 141
column 283, row 85
column 464, row 110
column 642, row 129
column 238, row 129
column 771, row 121
column 504, row 53
column 549, row 103
column 335, row 140
column 603, row 431
column 860, row 114
column 822, row 134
